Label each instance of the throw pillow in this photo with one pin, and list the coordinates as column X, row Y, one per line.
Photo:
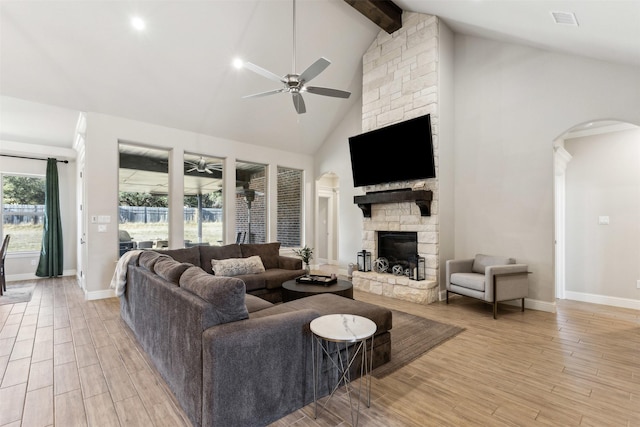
column 237, row 266
column 225, row 294
column 207, row 253
column 170, row 269
column 268, row 252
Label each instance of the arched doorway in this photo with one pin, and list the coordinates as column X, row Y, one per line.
column 597, row 207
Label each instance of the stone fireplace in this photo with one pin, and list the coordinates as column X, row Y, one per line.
column 403, row 217
column 400, row 82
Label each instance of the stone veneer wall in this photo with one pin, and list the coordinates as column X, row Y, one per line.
column 400, row 82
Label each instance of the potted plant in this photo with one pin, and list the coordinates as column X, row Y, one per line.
column 305, row 253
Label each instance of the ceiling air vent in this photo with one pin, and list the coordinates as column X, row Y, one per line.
column 565, row 18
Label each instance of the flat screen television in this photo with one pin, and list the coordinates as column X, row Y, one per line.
column 399, row 152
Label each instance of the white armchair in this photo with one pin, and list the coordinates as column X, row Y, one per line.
column 488, row 278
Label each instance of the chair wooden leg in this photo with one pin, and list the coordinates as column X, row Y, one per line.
column 523, row 305
column 495, row 309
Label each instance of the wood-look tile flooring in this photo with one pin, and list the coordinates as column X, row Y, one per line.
column 69, row 362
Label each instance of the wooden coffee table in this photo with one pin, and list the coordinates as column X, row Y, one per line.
column 292, row 290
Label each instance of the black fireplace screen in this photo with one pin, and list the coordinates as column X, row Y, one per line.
column 397, row 247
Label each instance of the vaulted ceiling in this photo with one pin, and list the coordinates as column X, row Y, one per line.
column 61, row 57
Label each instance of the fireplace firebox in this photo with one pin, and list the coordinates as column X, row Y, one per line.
column 397, row 247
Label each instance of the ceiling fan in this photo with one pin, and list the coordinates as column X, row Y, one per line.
column 296, row 84
column 202, row 166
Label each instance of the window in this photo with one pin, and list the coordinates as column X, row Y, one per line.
column 23, row 211
column 203, row 183
column 144, row 204
column 251, row 209
column 289, row 207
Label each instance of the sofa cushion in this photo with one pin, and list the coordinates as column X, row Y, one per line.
column 190, row 255
column 237, row 266
column 255, row 303
column 473, row 281
column 334, row 304
column 225, row 294
column 268, row 252
column 170, row 269
column 275, row 277
column 481, row 262
column 148, row 259
column 253, row 282
column 207, row 253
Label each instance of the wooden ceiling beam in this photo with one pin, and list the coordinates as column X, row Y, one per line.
column 384, row 13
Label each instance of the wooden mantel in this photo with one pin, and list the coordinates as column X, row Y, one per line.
column 421, row 197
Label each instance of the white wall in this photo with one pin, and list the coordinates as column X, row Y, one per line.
column 19, row 266
column 603, row 179
column 101, row 179
column 511, row 103
column 334, row 157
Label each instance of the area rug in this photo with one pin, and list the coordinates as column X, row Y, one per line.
column 411, row 337
column 19, row 292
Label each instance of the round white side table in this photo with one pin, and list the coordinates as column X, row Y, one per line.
column 345, row 330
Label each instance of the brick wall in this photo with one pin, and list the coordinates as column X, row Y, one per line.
column 289, row 187
column 289, row 207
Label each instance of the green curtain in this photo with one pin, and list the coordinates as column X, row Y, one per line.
column 50, row 264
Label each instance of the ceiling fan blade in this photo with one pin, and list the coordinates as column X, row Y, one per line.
column 264, row 73
column 208, row 171
column 270, row 92
column 314, row 69
column 192, row 169
column 328, row 92
column 298, row 103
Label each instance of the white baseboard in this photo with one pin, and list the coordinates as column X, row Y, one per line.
column 603, row 299
column 535, row 304
column 32, row 276
column 101, row 294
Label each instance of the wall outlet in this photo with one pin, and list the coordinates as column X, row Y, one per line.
column 102, row 228
column 603, row 220
column 35, row 262
column 638, row 284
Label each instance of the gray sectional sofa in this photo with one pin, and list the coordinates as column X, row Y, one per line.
column 266, row 285
column 229, row 357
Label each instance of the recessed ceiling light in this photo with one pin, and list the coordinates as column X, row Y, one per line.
column 138, row 23
column 564, row 18
column 238, row 63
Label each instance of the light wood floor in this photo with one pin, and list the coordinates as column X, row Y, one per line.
column 69, row 362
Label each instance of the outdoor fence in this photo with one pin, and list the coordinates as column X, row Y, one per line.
column 22, row 214
column 150, row 214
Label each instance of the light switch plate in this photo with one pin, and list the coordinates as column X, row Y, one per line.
column 102, row 228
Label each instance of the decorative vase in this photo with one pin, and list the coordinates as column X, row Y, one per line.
column 307, row 268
